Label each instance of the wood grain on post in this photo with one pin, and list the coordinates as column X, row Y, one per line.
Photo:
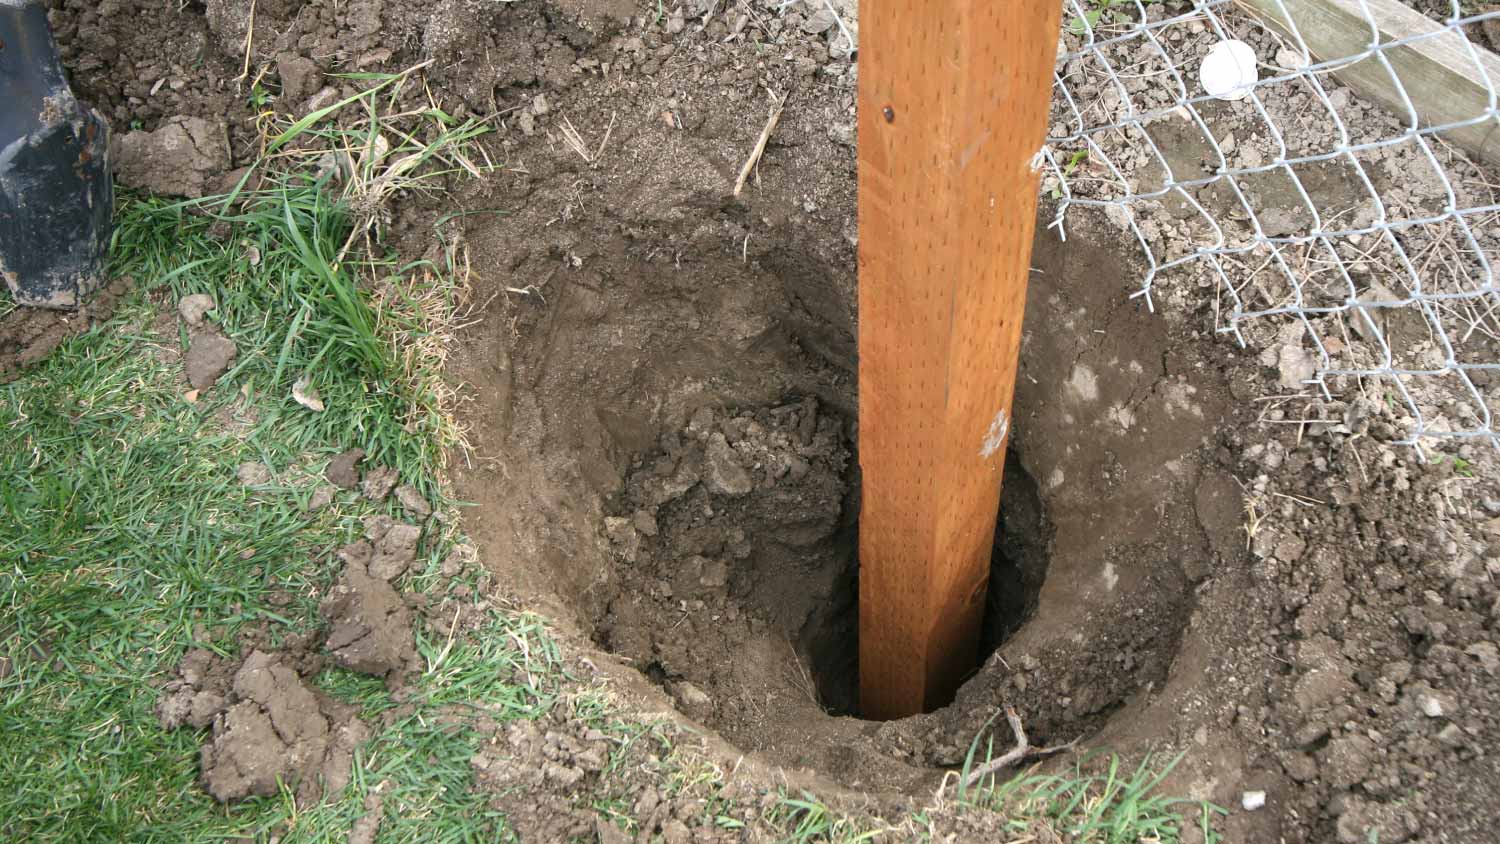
column 953, row 102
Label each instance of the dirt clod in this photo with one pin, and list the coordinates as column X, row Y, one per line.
column 199, row 692
column 298, row 77
column 533, row 768
column 342, row 471
column 395, row 551
column 367, row 826
column 184, row 157
column 379, row 482
column 209, row 355
column 321, row 497
column 412, row 501
column 279, row 730
column 28, row 335
column 369, row 625
column 193, row 306
column 253, row 473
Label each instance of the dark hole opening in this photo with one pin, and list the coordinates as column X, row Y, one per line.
column 1018, row 568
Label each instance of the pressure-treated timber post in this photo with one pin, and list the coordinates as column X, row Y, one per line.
column 953, row 99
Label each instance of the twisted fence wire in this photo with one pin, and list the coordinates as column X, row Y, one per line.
column 1353, row 244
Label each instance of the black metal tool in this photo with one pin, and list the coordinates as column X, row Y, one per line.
column 56, row 197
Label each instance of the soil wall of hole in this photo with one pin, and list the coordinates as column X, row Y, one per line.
column 674, row 470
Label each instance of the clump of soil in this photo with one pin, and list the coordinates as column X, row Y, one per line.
column 208, row 356
column 269, row 727
column 536, row 770
column 28, row 335
column 727, row 539
column 187, row 156
column 343, row 471
column 533, row 769
column 370, row 626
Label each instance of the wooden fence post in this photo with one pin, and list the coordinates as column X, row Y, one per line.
column 953, row 102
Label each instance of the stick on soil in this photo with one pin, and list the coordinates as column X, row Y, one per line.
column 760, row 146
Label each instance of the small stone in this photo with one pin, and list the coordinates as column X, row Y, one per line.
column 723, row 474
column 527, row 122
column 412, row 501
column 715, row 574
column 193, row 306
column 675, row 832
column 341, row 471
column 539, row 105
column 253, row 473
column 1487, row 654
column 675, row 24
column 1291, row 59
column 208, row 357
column 1252, row 800
column 1430, row 705
column 379, row 482
column 1451, row 736
column 321, row 497
column 644, row 522
column 691, row 699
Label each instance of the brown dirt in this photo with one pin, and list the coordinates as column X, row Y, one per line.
column 187, row 156
column 28, row 335
column 269, row 727
column 1300, row 608
column 369, row 625
column 208, row 356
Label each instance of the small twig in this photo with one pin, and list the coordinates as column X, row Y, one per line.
column 1022, row 749
column 432, row 664
column 575, row 141
column 249, row 43
column 760, row 146
column 600, row 151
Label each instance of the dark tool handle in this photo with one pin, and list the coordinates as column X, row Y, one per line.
column 55, row 192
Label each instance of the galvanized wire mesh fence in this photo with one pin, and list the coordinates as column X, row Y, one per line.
column 1352, row 244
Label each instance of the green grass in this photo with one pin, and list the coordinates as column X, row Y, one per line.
column 1099, row 802
column 128, row 538
column 1098, row 13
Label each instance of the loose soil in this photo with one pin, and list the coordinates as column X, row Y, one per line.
column 28, row 335
column 659, row 388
